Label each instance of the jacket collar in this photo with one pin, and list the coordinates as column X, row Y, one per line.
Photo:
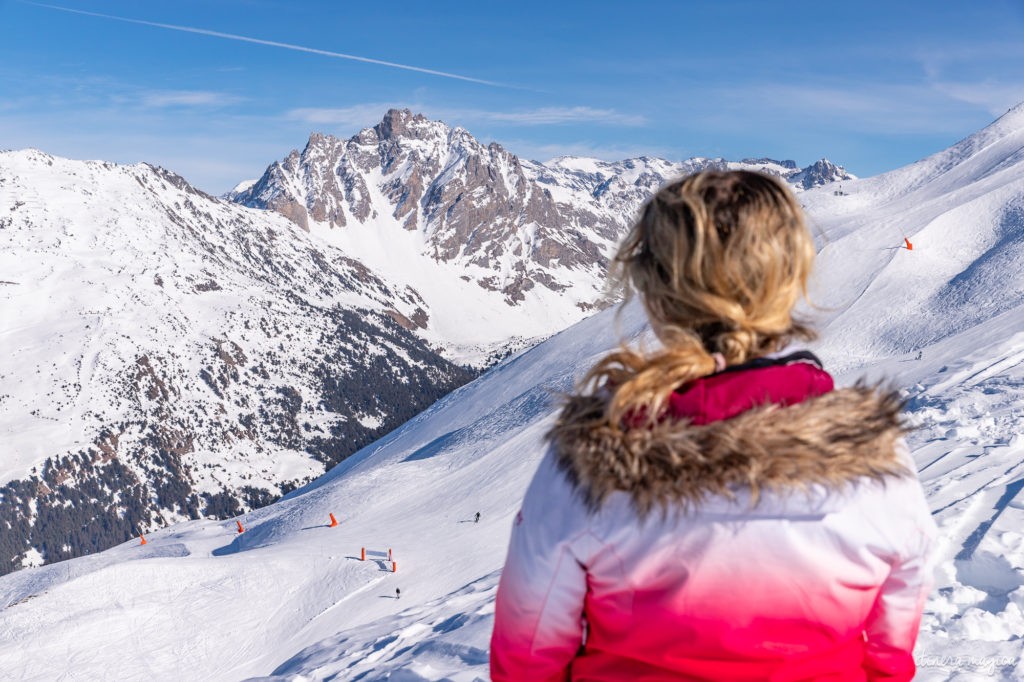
column 826, row 438
column 782, row 381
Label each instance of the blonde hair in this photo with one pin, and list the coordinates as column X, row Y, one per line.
column 719, row 260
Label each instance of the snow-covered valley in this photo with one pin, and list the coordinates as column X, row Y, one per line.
column 290, row 598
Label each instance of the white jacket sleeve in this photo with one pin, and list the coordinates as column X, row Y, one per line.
column 893, row 624
column 538, row 620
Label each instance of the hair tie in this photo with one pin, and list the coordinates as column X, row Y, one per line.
column 719, row 361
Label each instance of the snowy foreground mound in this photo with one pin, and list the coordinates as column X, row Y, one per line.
column 290, row 598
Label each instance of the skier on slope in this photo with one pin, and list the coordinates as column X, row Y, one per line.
column 398, row 593
column 713, row 511
column 476, row 519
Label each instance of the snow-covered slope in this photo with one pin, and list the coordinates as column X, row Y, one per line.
column 170, row 356
column 962, row 211
column 290, row 597
column 500, row 248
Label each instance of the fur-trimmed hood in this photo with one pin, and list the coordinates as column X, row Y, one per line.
column 829, row 440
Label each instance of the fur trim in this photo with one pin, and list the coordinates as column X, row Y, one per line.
column 832, row 440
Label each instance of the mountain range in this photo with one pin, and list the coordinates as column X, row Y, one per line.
column 523, row 245
column 172, row 355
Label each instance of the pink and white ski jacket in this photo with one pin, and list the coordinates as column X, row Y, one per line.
column 771, row 529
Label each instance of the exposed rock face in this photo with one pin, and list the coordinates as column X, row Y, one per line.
column 819, row 173
column 477, row 205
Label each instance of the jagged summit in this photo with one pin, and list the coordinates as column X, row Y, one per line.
column 404, row 123
column 765, row 161
column 396, row 124
column 821, row 172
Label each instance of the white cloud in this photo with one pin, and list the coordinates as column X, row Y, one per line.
column 861, row 107
column 359, row 115
column 557, row 115
column 526, row 149
column 159, row 99
column 935, row 60
column 368, row 114
column 995, row 87
column 994, row 97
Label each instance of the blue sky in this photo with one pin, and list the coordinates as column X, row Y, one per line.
column 871, row 85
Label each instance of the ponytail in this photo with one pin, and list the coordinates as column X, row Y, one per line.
column 719, row 260
column 639, row 385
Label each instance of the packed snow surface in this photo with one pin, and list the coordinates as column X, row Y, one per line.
column 290, row 598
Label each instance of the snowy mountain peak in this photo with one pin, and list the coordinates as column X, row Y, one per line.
column 243, row 186
column 430, row 206
column 764, row 161
column 470, row 206
column 404, row 123
column 821, row 172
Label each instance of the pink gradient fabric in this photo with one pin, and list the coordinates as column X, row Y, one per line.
column 813, row 585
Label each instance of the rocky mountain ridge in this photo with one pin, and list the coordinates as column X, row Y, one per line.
column 536, row 237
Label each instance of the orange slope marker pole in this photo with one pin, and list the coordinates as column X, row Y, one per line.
column 910, row 247
column 334, row 521
column 143, row 539
column 389, row 554
column 362, row 554
column 241, row 528
column 394, row 567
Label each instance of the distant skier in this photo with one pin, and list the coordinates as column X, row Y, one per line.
column 398, row 593
column 476, row 519
column 920, row 354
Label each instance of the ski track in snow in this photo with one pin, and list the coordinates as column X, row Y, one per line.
column 289, row 599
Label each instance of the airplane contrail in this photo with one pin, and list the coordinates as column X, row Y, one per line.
column 274, row 43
